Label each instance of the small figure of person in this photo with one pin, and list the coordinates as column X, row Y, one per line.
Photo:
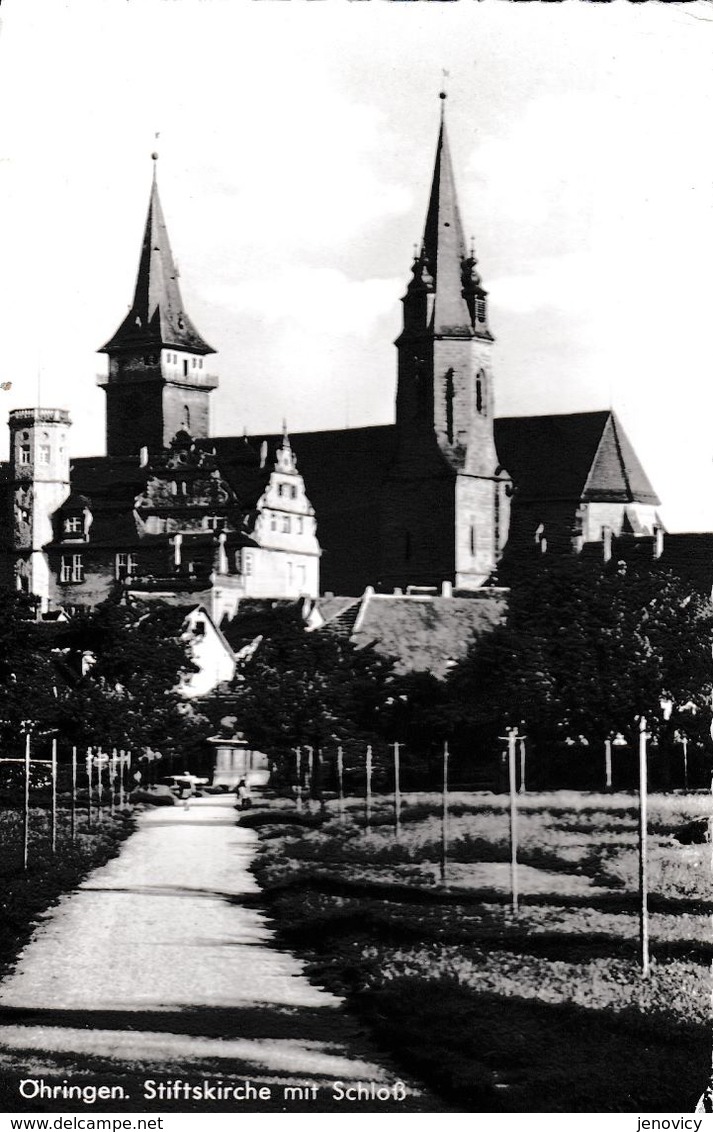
column 243, row 792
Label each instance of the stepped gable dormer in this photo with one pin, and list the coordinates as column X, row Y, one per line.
column 158, row 382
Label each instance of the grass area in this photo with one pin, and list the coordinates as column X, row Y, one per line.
column 543, row 1011
column 26, row 895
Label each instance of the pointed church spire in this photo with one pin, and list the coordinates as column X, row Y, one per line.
column 157, row 317
column 457, row 284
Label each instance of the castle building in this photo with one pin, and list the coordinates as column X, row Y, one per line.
column 437, row 499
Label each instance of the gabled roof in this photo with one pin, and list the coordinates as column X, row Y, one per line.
column 423, row 634
column 157, row 317
column 575, row 457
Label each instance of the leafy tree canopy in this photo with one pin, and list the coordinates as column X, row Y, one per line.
column 585, row 650
column 308, row 688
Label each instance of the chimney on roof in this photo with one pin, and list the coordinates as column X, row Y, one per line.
column 447, row 589
column 606, row 543
column 658, row 541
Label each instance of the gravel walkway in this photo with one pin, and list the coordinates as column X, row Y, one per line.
column 162, row 966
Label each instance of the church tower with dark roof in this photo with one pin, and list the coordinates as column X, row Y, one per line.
column 158, row 384
column 445, row 504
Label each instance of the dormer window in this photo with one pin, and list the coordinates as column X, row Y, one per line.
column 74, row 525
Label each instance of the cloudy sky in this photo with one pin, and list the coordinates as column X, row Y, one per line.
column 296, row 145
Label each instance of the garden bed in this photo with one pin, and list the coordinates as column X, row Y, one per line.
column 543, row 1011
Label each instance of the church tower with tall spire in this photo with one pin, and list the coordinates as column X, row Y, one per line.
column 446, row 501
column 158, row 384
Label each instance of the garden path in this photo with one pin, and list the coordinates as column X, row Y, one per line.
column 162, row 964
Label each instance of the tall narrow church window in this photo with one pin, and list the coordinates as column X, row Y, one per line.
column 472, row 541
column 480, row 392
column 450, row 395
column 186, row 420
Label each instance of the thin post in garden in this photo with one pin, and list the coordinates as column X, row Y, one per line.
column 523, row 755
column 111, row 775
column 607, row 764
column 643, row 860
column 340, row 781
column 368, row 788
column 89, row 787
column 310, row 770
column 54, row 796
column 26, row 819
column 73, row 812
column 122, row 768
column 298, row 768
column 511, row 738
column 684, row 744
column 100, row 783
column 397, row 790
column 444, row 816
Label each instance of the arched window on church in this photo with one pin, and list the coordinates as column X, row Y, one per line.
column 450, row 396
column 480, row 392
column 186, row 420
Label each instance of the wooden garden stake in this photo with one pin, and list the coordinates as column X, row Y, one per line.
column 54, row 796
column 26, row 821
column 444, row 817
column 89, row 787
column 73, row 813
column 368, row 788
column 643, row 862
column 397, row 790
column 512, row 738
column 340, row 781
column 298, row 763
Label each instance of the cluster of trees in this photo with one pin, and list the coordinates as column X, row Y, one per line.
column 583, row 651
column 108, row 677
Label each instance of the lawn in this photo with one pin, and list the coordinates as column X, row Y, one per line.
column 541, row 1011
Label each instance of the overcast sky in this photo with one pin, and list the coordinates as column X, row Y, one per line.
column 296, row 144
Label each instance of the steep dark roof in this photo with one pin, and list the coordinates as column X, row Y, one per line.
column 444, row 245
column 574, row 456
column 157, row 317
column 424, row 634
